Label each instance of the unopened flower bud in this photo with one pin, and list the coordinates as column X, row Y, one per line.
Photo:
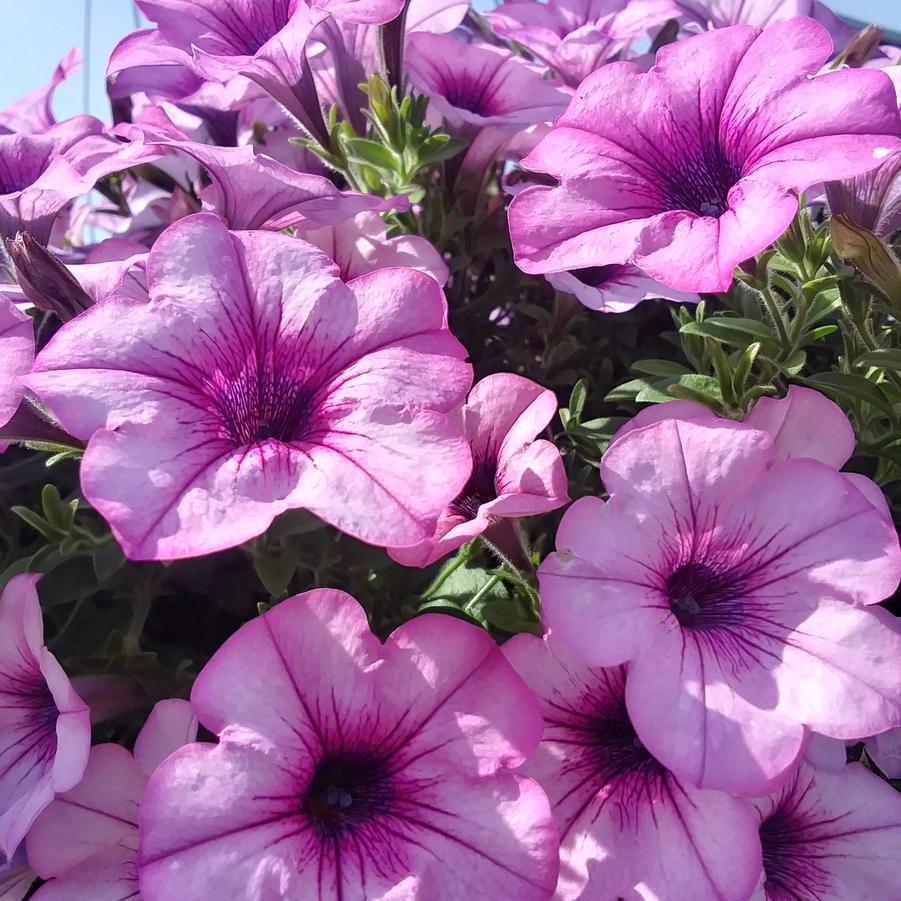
column 859, row 49
column 44, row 280
column 869, row 256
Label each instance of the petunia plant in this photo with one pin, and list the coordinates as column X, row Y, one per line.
column 453, row 451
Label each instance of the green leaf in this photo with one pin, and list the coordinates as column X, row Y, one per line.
column 885, row 358
column 108, row 560
column 275, row 571
column 660, row 368
column 469, row 587
column 577, row 399
column 743, row 368
column 39, row 524
column 822, row 332
column 431, row 154
column 731, row 329
column 853, row 387
column 371, row 153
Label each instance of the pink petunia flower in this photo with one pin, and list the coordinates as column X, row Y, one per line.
column 264, row 40
column 16, row 357
column 85, row 843
column 736, row 584
column 702, row 14
column 575, row 37
column 372, row 771
column 255, row 381
column 41, row 173
column 250, row 190
column 873, row 200
column 360, row 245
column 34, row 113
column 804, row 423
column 614, row 289
column 45, row 729
column 513, row 474
column 475, row 86
column 830, row 837
column 696, row 165
column 628, row 826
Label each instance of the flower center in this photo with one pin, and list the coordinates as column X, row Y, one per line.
column 791, row 859
column 32, row 715
column 700, row 184
column 347, row 789
column 261, row 403
column 618, row 749
column 479, row 489
column 702, row 596
column 475, row 95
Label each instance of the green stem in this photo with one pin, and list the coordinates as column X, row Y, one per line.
column 776, row 316
column 481, row 593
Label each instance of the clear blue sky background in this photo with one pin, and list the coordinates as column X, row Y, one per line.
column 34, row 35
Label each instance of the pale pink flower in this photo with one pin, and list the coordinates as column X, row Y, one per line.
column 804, row 423
column 372, row 771
column 255, row 381
column 736, row 584
column 830, row 837
column 575, row 37
column 45, row 729
column 628, row 827
column 85, row 843
column 360, row 245
column 514, row 474
column 696, row 165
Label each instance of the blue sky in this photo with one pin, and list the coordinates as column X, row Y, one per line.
column 36, row 33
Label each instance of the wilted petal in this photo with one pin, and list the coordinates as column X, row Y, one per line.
column 33, row 113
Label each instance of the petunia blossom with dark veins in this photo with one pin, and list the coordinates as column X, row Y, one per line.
column 739, row 586
column 830, row 837
column 102, row 811
column 625, row 821
column 372, row 771
column 696, row 165
column 514, row 473
column 478, row 85
column 264, row 40
column 254, row 381
column 575, row 37
column 45, row 730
